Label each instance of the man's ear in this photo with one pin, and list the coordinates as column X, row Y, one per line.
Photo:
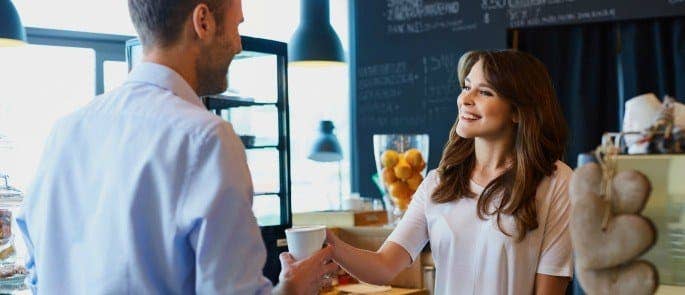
column 203, row 22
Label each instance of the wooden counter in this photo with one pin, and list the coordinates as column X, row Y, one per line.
column 394, row 291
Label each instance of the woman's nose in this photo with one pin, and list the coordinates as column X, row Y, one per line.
column 466, row 98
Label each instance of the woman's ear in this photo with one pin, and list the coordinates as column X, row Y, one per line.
column 515, row 116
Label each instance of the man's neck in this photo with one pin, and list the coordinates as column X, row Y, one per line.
column 177, row 59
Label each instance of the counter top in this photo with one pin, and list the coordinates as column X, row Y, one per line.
column 394, row 291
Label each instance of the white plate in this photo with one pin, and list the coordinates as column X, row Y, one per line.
column 363, row 288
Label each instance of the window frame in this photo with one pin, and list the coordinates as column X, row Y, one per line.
column 107, row 47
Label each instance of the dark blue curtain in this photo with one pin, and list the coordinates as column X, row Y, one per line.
column 653, row 57
column 582, row 61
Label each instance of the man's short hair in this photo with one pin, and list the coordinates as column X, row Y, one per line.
column 160, row 22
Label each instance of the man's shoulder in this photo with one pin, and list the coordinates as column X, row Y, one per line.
column 196, row 120
column 138, row 105
column 171, row 110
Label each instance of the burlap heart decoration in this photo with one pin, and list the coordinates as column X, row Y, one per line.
column 637, row 277
column 604, row 257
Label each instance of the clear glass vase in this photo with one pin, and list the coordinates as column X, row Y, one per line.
column 401, row 164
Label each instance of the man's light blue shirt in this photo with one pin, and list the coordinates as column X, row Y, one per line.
column 143, row 191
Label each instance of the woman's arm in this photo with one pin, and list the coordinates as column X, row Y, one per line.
column 556, row 256
column 546, row 284
column 372, row 267
column 405, row 242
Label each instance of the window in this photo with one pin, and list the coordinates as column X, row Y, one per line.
column 115, row 73
column 277, row 20
column 60, row 72
column 109, row 16
column 315, row 94
column 36, row 97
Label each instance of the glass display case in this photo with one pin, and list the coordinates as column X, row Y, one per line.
column 256, row 105
column 12, row 271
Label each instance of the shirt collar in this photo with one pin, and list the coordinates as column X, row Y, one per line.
column 166, row 78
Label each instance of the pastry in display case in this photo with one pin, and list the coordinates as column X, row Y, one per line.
column 12, row 271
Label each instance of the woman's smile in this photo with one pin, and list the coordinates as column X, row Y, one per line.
column 469, row 117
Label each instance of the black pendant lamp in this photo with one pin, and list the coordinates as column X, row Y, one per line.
column 315, row 43
column 12, row 33
column 326, row 148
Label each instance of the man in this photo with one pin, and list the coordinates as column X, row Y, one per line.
column 143, row 190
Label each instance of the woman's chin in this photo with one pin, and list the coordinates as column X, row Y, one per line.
column 465, row 133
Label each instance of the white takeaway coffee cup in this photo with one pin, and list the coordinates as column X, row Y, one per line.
column 304, row 241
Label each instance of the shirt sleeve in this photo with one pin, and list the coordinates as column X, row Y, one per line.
column 556, row 252
column 30, row 203
column 217, row 212
column 30, row 265
column 412, row 231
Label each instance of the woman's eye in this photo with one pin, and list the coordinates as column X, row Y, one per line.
column 466, row 88
column 485, row 93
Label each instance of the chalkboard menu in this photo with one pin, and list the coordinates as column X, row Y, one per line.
column 404, row 56
column 527, row 13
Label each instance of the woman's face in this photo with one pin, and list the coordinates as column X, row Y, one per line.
column 482, row 112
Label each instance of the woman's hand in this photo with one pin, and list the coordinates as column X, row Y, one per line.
column 333, row 240
column 372, row 267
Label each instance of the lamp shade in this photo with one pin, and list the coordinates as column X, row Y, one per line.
column 326, row 148
column 314, row 42
column 12, row 33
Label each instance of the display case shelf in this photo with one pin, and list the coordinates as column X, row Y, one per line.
column 257, row 194
column 257, row 147
column 219, row 102
column 261, row 143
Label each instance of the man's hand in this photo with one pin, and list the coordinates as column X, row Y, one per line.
column 308, row 275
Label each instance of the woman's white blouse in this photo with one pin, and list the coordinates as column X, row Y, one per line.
column 472, row 256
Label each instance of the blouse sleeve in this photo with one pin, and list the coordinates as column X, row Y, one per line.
column 556, row 252
column 412, row 231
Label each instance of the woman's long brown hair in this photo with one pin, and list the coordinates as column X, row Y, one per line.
column 539, row 140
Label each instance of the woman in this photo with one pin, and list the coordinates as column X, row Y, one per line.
column 496, row 210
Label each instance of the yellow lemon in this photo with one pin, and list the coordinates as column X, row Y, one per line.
column 414, row 181
column 390, row 158
column 400, row 190
column 401, row 203
column 414, row 158
column 389, row 176
column 420, row 167
column 403, row 170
